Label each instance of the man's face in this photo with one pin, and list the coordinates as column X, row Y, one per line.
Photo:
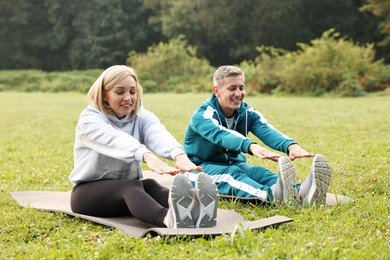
column 231, row 94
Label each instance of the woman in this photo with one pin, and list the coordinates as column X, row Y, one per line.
column 114, row 135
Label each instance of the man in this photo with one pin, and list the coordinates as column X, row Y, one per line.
column 217, row 136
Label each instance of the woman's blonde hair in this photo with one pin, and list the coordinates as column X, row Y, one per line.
column 109, row 79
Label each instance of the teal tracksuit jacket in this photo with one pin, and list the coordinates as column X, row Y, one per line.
column 219, row 150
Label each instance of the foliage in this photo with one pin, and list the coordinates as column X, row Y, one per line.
column 227, row 32
column 34, row 80
column 70, row 34
column 209, row 25
column 261, row 73
column 172, row 66
column 36, row 153
column 60, row 35
column 332, row 64
column 329, row 64
column 380, row 8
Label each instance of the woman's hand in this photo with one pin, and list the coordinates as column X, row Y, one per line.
column 184, row 164
column 156, row 165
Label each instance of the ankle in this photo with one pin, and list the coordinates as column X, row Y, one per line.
column 165, row 220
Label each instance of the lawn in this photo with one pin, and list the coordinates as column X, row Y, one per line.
column 36, row 142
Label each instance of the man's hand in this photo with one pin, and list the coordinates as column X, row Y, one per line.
column 295, row 151
column 263, row 153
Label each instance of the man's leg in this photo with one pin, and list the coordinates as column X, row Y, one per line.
column 232, row 181
column 259, row 174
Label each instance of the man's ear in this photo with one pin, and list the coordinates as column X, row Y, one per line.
column 215, row 91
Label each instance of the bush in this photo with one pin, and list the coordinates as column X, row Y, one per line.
column 21, row 80
column 172, row 66
column 329, row 64
column 260, row 74
column 35, row 80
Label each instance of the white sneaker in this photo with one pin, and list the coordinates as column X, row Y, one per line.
column 180, row 201
column 205, row 206
column 314, row 188
column 284, row 188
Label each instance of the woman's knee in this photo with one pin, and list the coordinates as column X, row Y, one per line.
column 131, row 186
column 149, row 182
column 132, row 183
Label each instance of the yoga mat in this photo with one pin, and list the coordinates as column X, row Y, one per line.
column 227, row 220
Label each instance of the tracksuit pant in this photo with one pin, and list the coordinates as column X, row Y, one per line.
column 240, row 179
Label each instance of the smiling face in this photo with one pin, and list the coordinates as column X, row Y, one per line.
column 230, row 94
column 122, row 98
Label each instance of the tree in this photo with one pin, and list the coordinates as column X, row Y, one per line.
column 226, row 31
column 71, row 34
column 15, row 17
column 100, row 33
column 380, row 8
column 209, row 25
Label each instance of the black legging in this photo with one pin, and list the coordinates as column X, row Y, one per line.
column 145, row 199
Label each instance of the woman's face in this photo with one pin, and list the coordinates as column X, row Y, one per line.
column 122, row 97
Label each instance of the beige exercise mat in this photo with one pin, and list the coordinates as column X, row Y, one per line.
column 227, row 220
column 166, row 180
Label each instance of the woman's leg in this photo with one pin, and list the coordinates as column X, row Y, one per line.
column 113, row 198
column 158, row 192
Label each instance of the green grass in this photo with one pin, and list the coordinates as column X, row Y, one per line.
column 36, row 142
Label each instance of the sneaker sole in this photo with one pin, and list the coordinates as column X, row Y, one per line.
column 322, row 176
column 288, row 176
column 208, row 201
column 182, row 195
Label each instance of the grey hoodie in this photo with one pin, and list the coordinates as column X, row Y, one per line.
column 110, row 148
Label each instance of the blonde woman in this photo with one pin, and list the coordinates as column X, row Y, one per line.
column 115, row 134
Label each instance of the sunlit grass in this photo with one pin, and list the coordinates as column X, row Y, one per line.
column 36, row 153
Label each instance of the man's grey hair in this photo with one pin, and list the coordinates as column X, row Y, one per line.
column 226, row 71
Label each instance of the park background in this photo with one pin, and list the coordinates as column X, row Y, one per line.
column 293, row 53
column 299, row 46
